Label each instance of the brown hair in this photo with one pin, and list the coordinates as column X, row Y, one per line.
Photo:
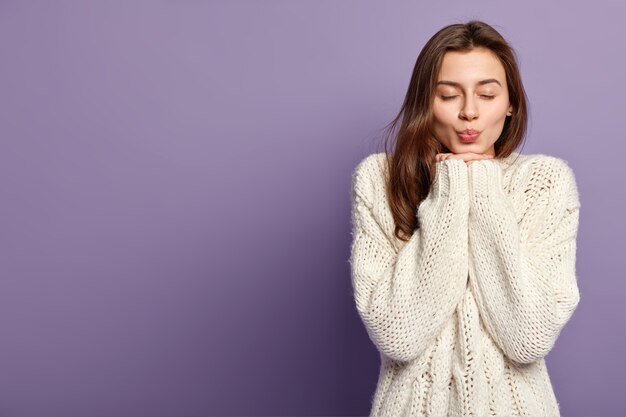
column 412, row 165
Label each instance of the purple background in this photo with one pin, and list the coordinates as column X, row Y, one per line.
column 175, row 183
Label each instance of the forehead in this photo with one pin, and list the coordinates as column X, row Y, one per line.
column 469, row 67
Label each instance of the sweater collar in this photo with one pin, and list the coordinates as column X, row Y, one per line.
column 507, row 161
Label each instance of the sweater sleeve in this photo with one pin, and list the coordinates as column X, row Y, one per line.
column 404, row 296
column 522, row 273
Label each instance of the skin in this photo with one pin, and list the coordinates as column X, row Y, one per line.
column 470, row 105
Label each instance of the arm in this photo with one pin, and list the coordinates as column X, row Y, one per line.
column 404, row 297
column 523, row 275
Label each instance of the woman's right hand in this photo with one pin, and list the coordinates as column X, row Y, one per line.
column 465, row 156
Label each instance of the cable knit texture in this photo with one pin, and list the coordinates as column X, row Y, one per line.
column 464, row 313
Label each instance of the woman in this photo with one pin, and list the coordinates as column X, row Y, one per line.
column 463, row 251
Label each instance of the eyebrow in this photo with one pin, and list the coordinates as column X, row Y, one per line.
column 481, row 82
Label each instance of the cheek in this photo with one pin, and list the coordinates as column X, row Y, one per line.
column 496, row 114
column 441, row 114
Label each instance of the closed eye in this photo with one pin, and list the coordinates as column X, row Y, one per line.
column 451, row 97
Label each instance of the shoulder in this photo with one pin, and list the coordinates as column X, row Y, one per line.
column 369, row 177
column 369, row 196
column 550, row 169
column 548, row 175
column 543, row 161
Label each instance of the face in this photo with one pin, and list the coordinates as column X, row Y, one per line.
column 471, row 93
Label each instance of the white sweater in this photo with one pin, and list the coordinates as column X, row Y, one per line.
column 465, row 311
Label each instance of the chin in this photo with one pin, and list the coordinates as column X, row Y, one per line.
column 467, row 147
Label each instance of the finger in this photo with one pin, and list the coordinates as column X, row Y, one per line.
column 442, row 156
column 478, row 155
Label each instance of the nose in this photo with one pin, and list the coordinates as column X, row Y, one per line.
column 469, row 110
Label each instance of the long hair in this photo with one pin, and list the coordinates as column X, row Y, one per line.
column 412, row 165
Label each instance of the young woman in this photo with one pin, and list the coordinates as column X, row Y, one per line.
column 463, row 250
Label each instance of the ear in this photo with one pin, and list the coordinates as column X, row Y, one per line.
column 510, row 111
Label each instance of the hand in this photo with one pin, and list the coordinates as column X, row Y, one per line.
column 467, row 157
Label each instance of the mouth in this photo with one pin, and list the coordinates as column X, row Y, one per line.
column 468, row 135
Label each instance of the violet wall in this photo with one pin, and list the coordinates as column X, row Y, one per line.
column 175, row 190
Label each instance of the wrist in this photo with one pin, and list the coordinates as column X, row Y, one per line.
column 451, row 177
column 485, row 179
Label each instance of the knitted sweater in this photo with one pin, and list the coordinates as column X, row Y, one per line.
column 465, row 311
